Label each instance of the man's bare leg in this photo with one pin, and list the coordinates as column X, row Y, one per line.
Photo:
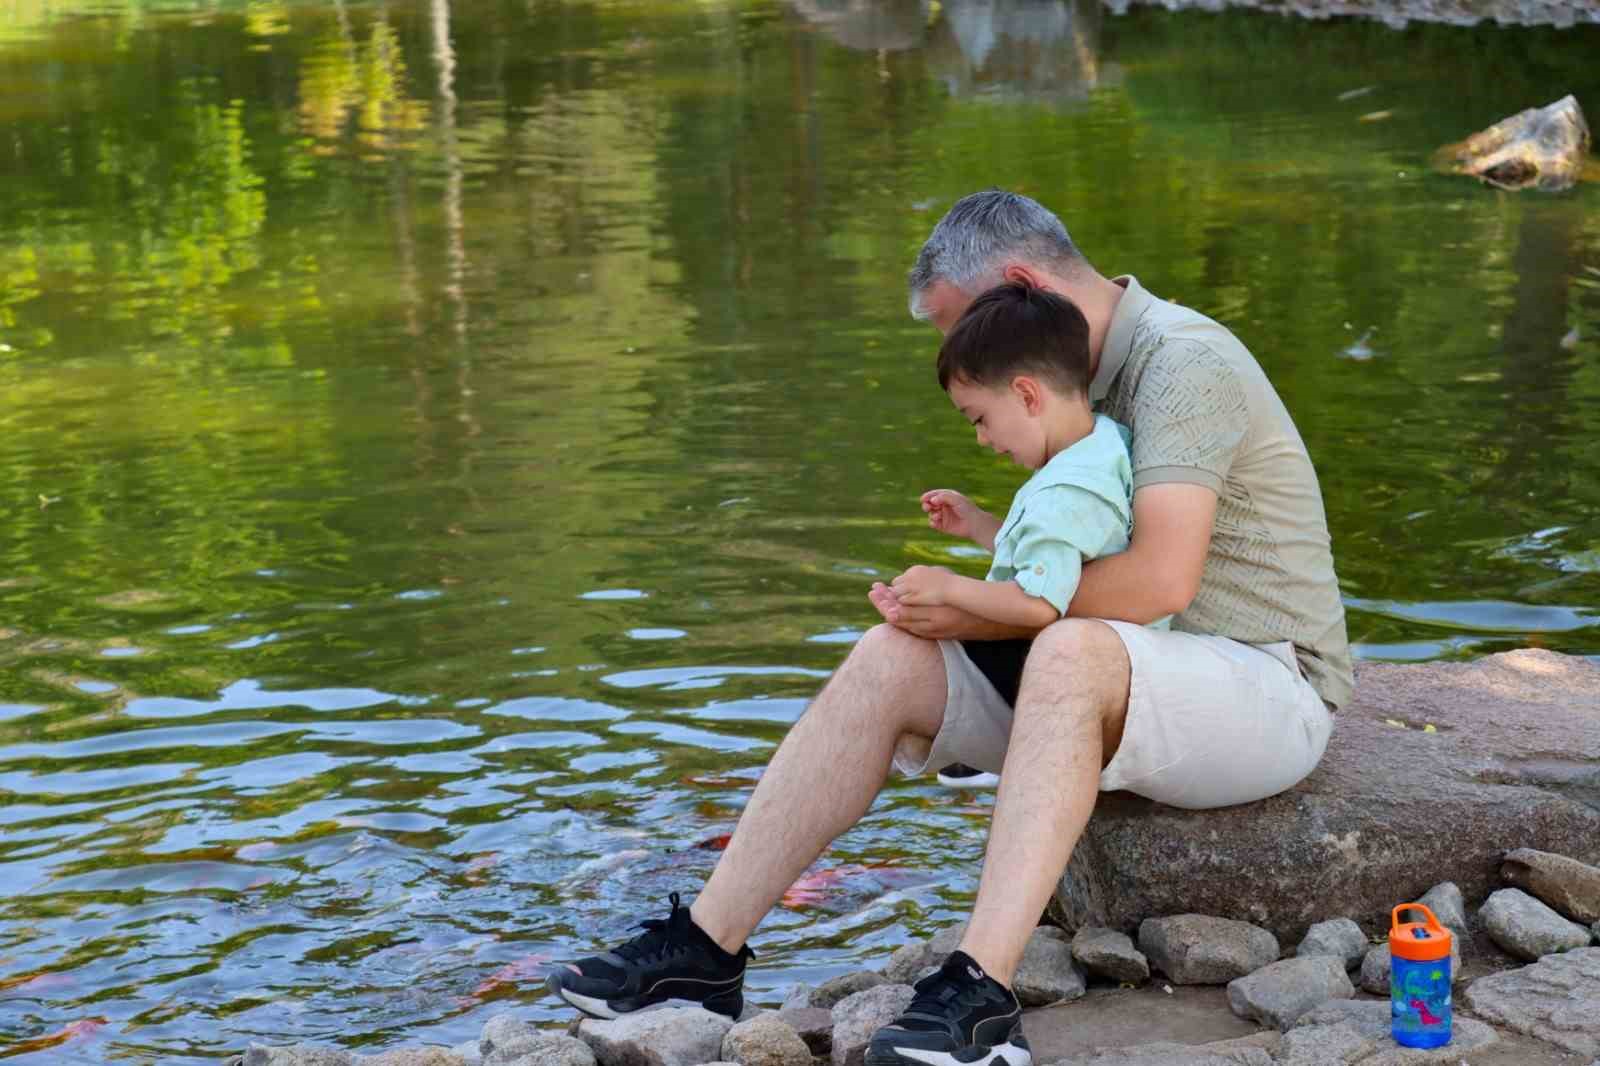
column 1069, row 717
column 824, row 776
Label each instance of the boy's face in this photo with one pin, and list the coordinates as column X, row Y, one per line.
column 1005, row 416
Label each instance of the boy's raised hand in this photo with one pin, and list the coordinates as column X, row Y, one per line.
column 950, row 512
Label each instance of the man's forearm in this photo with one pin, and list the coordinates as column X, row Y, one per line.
column 1125, row 588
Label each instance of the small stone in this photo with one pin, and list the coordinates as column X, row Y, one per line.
column 1279, row 993
column 469, row 1051
column 834, row 989
column 765, row 1040
column 1047, row 973
column 505, row 1037
column 856, row 1018
column 1444, row 900
column 555, row 1051
column 1557, row 1000
column 1196, row 949
column 1527, row 928
column 912, row 959
column 410, row 1056
column 1108, row 953
column 814, row 1024
column 1340, row 938
column 677, row 1036
column 1569, row 886
column 799, row 996
column 296, row 1055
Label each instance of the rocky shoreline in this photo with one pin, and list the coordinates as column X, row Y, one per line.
column 1435, row 768
column 1399, row 13
column 1304, row 1002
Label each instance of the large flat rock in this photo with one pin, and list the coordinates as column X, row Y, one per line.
column 1513, row 761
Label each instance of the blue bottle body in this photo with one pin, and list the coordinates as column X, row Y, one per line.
column 1419, row 1001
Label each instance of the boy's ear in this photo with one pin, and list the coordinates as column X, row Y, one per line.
column 1030, row 392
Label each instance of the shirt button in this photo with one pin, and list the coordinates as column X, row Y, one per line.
column 1038, row 569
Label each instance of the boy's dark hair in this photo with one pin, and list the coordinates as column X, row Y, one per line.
column 1017, row 329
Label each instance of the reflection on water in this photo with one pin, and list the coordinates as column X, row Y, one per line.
column 447, row 445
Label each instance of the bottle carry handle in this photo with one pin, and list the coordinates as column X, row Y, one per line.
column 1431, row 922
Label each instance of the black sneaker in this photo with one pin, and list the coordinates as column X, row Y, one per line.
column 672, row 962
column 960, row 1017
column 960, row 775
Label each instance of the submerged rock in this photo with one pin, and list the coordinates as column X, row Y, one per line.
column 1392, row 810
column 1543, row 147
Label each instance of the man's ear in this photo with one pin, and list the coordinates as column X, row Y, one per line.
column 1030, row 392
column 1018, row 274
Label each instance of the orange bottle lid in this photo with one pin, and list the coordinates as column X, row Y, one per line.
column 1422, row 941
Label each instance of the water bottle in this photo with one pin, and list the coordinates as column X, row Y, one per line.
column 1419, row 979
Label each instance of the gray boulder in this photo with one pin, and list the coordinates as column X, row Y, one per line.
column 555, row 1051
column 677, row 1036
column 1444, row 900
column 1557, row 1000
column 1347, row 839
column 1339, row 938
column 1528, row 929
column 1108, row 953
column 1047, row 972
column 910, row 961
column 765, row 1040
column 1570, row 886
column 1356, row 1032
column 834, row 989
column 1278, row 994
column 856, row 1018
column 505, row 1039
column 470, row 1052
column 1197, row 949
column 814, row 1024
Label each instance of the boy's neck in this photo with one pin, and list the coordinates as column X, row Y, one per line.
column 1072, row 423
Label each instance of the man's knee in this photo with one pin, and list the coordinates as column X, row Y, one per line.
column 1082, row 657
column 893, row 670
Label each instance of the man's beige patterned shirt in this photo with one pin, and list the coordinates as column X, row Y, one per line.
column 1202, row 411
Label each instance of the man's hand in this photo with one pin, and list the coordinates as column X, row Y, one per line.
column 923, row 586
column 950, row 512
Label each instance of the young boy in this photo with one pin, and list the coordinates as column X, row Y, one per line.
column 1017, row 365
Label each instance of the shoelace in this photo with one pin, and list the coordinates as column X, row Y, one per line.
column 938, row 990
column 661, row 937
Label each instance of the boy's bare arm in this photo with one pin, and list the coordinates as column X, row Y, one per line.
column 1002, row 602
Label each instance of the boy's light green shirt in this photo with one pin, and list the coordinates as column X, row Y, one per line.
column 1077, row 506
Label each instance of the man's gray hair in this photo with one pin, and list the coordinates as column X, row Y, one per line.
column 976, row 238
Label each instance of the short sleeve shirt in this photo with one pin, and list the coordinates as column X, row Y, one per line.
column 1075, row 507
column 1202, row 411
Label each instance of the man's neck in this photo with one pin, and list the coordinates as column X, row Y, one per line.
column 1097, row 297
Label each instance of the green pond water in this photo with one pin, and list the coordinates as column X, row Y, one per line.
column 445, row 444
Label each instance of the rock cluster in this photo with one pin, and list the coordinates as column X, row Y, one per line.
column 1305, row 1000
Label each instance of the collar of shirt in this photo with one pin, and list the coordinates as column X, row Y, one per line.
column 1118, row 345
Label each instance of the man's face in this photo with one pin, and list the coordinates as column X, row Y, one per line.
column 942, row 304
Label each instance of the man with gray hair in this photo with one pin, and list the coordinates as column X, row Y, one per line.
column 1233, row 704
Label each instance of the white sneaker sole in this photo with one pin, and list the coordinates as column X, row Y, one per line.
column 599, row 1008
column 1000, row 1055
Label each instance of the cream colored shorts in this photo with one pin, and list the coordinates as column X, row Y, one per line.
column 1211, row 721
